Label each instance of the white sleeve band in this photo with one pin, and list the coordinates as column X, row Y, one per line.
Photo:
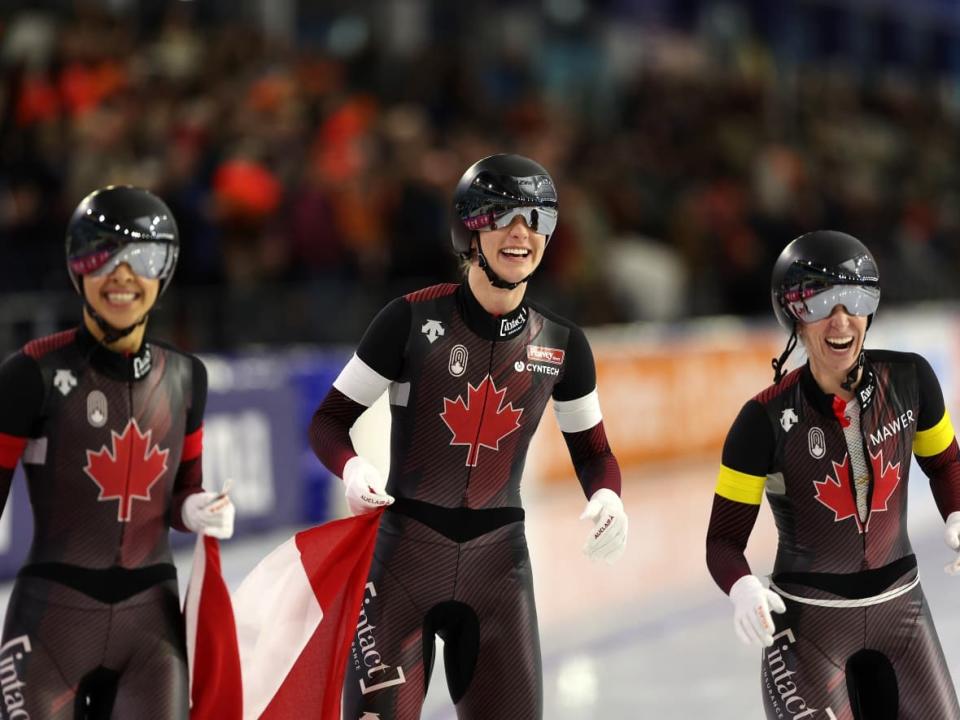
column 580, row 414
column 360, row 382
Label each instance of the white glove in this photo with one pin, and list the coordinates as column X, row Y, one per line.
column 364, row 487
column 207, row 513
column 608, row 539
column 951, row 535
column 752, row 603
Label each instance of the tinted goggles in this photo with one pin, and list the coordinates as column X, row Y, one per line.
column 542, row 220
column 810, row 304
column 151, row 260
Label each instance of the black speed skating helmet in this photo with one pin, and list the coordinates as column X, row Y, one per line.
column 121, row 223
column 494, row 190
column 820, row 270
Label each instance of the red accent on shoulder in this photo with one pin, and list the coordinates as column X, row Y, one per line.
column 788, row 381
column 11, row 448
column 41, row 346
column 192, row 445
column 432, row 292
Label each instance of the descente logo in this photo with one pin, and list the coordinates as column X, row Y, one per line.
column 365, row 652
column 10, row 682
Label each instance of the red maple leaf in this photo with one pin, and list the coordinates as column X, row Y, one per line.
column 480, row 421
column 885, row 481
column 127, row 473
column 837, row 493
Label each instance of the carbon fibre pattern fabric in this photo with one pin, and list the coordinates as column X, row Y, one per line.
column 807, row 667
column 462, row 438
column 477, row 595
column 432, row 293
column 816, row 514
column 593, row 460
column 42, row 346
column 55, row 636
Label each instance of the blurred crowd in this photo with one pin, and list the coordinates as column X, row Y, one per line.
column 310, row 169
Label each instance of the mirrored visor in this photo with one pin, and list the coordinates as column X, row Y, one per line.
column 812, row 304
column 150, row 260
column 541, row 220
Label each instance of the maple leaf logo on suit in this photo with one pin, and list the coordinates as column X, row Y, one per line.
column 837, row 493
column 481, row 420
column 129, row 471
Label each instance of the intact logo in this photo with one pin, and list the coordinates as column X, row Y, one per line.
column 432, row 329
column 481, row 420
column 782, row 687
column 512, row 325
column 12, row 655
column 129, row 471
column 836, row 491
column 788, row 418
column 142, row 364
column 366, row 656
column 64, row 381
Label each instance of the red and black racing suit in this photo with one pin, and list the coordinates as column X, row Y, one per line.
column 857, row 639
column 111, row 447
column 466, row 390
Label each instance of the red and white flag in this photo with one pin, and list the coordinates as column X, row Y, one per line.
column 295, row 617
column 214, row 662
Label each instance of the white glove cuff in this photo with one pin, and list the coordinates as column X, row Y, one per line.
column 606, row 496
column 747, row 585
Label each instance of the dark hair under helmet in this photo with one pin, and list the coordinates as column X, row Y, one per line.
column 121, row 223
column 494, row 189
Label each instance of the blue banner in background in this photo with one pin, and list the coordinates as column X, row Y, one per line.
column 255, row 433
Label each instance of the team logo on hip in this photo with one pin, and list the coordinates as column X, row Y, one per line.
column 97, row 408
column 788, row 418
column 817, row 443
column 14, row 689
column 432, row 329
column 129, row 471
column 481, row 420
column 458, row 360
column 784, row 693
column 367, row 658
column 836, row 490
column 64, row 381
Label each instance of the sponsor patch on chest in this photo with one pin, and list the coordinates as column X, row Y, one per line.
column 892, row 428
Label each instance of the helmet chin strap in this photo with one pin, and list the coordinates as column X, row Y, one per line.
column 496, row 280
column 110, row 333
column 853, row 374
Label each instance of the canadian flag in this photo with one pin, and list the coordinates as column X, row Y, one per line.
column 291, row 624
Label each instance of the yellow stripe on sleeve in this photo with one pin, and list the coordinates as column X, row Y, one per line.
column 740, row 487
column 935, row 440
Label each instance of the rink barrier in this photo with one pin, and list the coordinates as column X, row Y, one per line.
column 666, row 392
column 255, row 432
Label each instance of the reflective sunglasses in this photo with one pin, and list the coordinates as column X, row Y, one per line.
column 542, row 220
column 810, row 304
column 151, row 260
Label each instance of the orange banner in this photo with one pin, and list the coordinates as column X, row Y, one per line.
column 677, row 401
